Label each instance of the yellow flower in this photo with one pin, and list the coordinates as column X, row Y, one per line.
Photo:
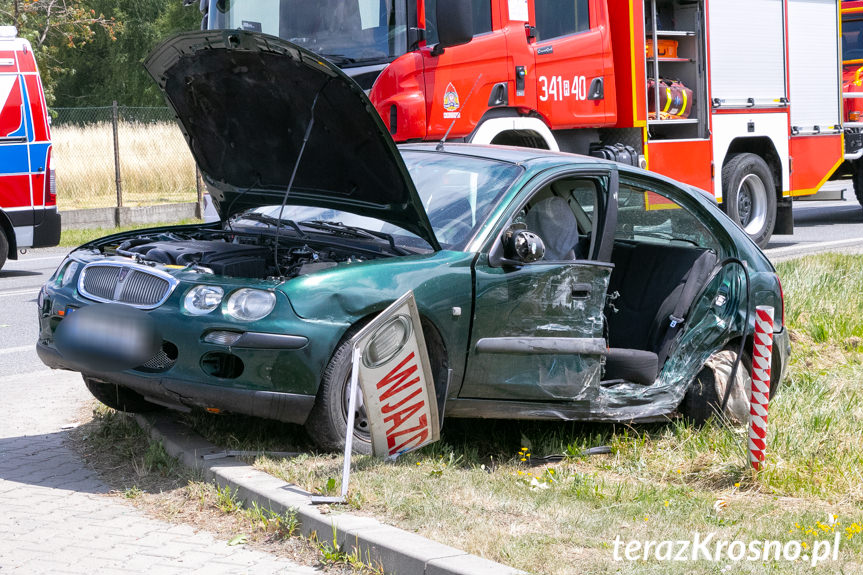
column 736, row 485
column 645, row 517
column 419, row 463
column 666, row 503
column 805, row 546
column 523, row 459
column 551, row 471
column 528, row 454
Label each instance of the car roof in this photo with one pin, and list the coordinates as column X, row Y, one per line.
column 510, row 154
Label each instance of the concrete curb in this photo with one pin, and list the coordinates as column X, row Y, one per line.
column 398, row 551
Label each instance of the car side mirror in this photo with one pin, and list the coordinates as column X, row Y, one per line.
column 522, row 246
column 454, row 23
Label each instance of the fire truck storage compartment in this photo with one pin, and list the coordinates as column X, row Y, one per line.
column 681, row 21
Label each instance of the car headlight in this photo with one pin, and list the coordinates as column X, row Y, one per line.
column 69, row 274
column 203, row 299
column 251, row 304
column 65, row 273
column 387, row 342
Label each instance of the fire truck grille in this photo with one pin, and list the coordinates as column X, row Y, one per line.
column 127, row 284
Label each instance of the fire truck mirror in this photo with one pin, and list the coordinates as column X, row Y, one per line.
column 454, row 22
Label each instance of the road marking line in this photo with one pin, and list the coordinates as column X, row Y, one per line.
column 25, row 260
column 8, row 350
column 14, row 293
column 813, row 246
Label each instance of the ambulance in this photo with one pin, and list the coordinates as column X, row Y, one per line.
column 28, row 199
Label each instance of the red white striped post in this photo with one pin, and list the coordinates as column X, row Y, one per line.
column 759, row 398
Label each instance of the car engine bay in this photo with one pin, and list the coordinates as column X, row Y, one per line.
column 236, row 253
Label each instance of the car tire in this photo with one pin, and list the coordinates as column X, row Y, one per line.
column 327, row 422
column 702, row 401
column 4, row 249
column 119, row 397
column 749, row 196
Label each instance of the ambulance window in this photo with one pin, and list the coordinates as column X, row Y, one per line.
column 556, row 18
column 481, row 19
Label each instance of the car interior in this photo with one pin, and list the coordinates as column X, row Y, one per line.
column 662, row 255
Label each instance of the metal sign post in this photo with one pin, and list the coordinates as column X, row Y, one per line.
column 390, row 365
column 349, row 432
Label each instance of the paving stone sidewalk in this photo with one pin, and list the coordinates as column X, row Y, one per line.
column 55, row 517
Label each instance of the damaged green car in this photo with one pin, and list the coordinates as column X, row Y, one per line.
column 550, row 286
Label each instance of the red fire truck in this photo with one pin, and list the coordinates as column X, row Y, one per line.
column 28, row 202
column 748, row 90
column 852, row 86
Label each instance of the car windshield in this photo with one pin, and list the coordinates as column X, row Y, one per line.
column 852, row 40
column 457, row 192
column 348, row 32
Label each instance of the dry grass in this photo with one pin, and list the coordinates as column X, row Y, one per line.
column 156, row 166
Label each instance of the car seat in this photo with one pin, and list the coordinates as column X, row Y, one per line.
column 552, row 219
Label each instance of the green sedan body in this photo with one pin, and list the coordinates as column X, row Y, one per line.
column 550, row 286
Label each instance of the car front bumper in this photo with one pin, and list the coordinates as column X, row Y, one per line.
column 183, row 394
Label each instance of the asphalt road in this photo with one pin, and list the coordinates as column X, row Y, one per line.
column 822, row 225
column 19, row 287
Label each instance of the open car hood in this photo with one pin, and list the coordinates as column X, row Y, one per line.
column 244, row 102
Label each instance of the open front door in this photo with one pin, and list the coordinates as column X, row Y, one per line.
column 538, row 327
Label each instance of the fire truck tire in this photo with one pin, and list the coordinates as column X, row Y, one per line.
column 750, row 196
column 857, row 178
column 4, row 249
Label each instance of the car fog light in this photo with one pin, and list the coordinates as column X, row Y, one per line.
column 387, row 342
column 251, row 304
column 203, row 299
column 223, row 337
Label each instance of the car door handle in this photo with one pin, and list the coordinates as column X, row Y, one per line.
column 581, row 291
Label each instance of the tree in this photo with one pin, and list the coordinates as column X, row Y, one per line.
column 110, row 67
column 51, row 25
column 47, row 22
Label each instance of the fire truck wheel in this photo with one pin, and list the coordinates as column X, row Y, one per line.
column 328, row 419
column 4, row 249
column 858, row 181
column 750, row 196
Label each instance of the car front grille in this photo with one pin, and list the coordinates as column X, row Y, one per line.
column 130, row 284
column 162, row 361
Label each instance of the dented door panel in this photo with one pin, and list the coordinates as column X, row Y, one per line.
column 537, row 332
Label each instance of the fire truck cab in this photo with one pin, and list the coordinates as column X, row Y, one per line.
column 748, row 91
column 28, row 201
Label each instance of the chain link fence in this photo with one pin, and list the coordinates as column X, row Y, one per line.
column 118, row 156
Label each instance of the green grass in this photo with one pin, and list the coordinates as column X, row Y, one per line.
column 662, row 481
column 72, row 238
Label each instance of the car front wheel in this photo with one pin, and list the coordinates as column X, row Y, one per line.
column 119, row 397
column 328, row 421
column 750, row 196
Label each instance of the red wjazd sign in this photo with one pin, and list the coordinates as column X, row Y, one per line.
column 395, row 378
